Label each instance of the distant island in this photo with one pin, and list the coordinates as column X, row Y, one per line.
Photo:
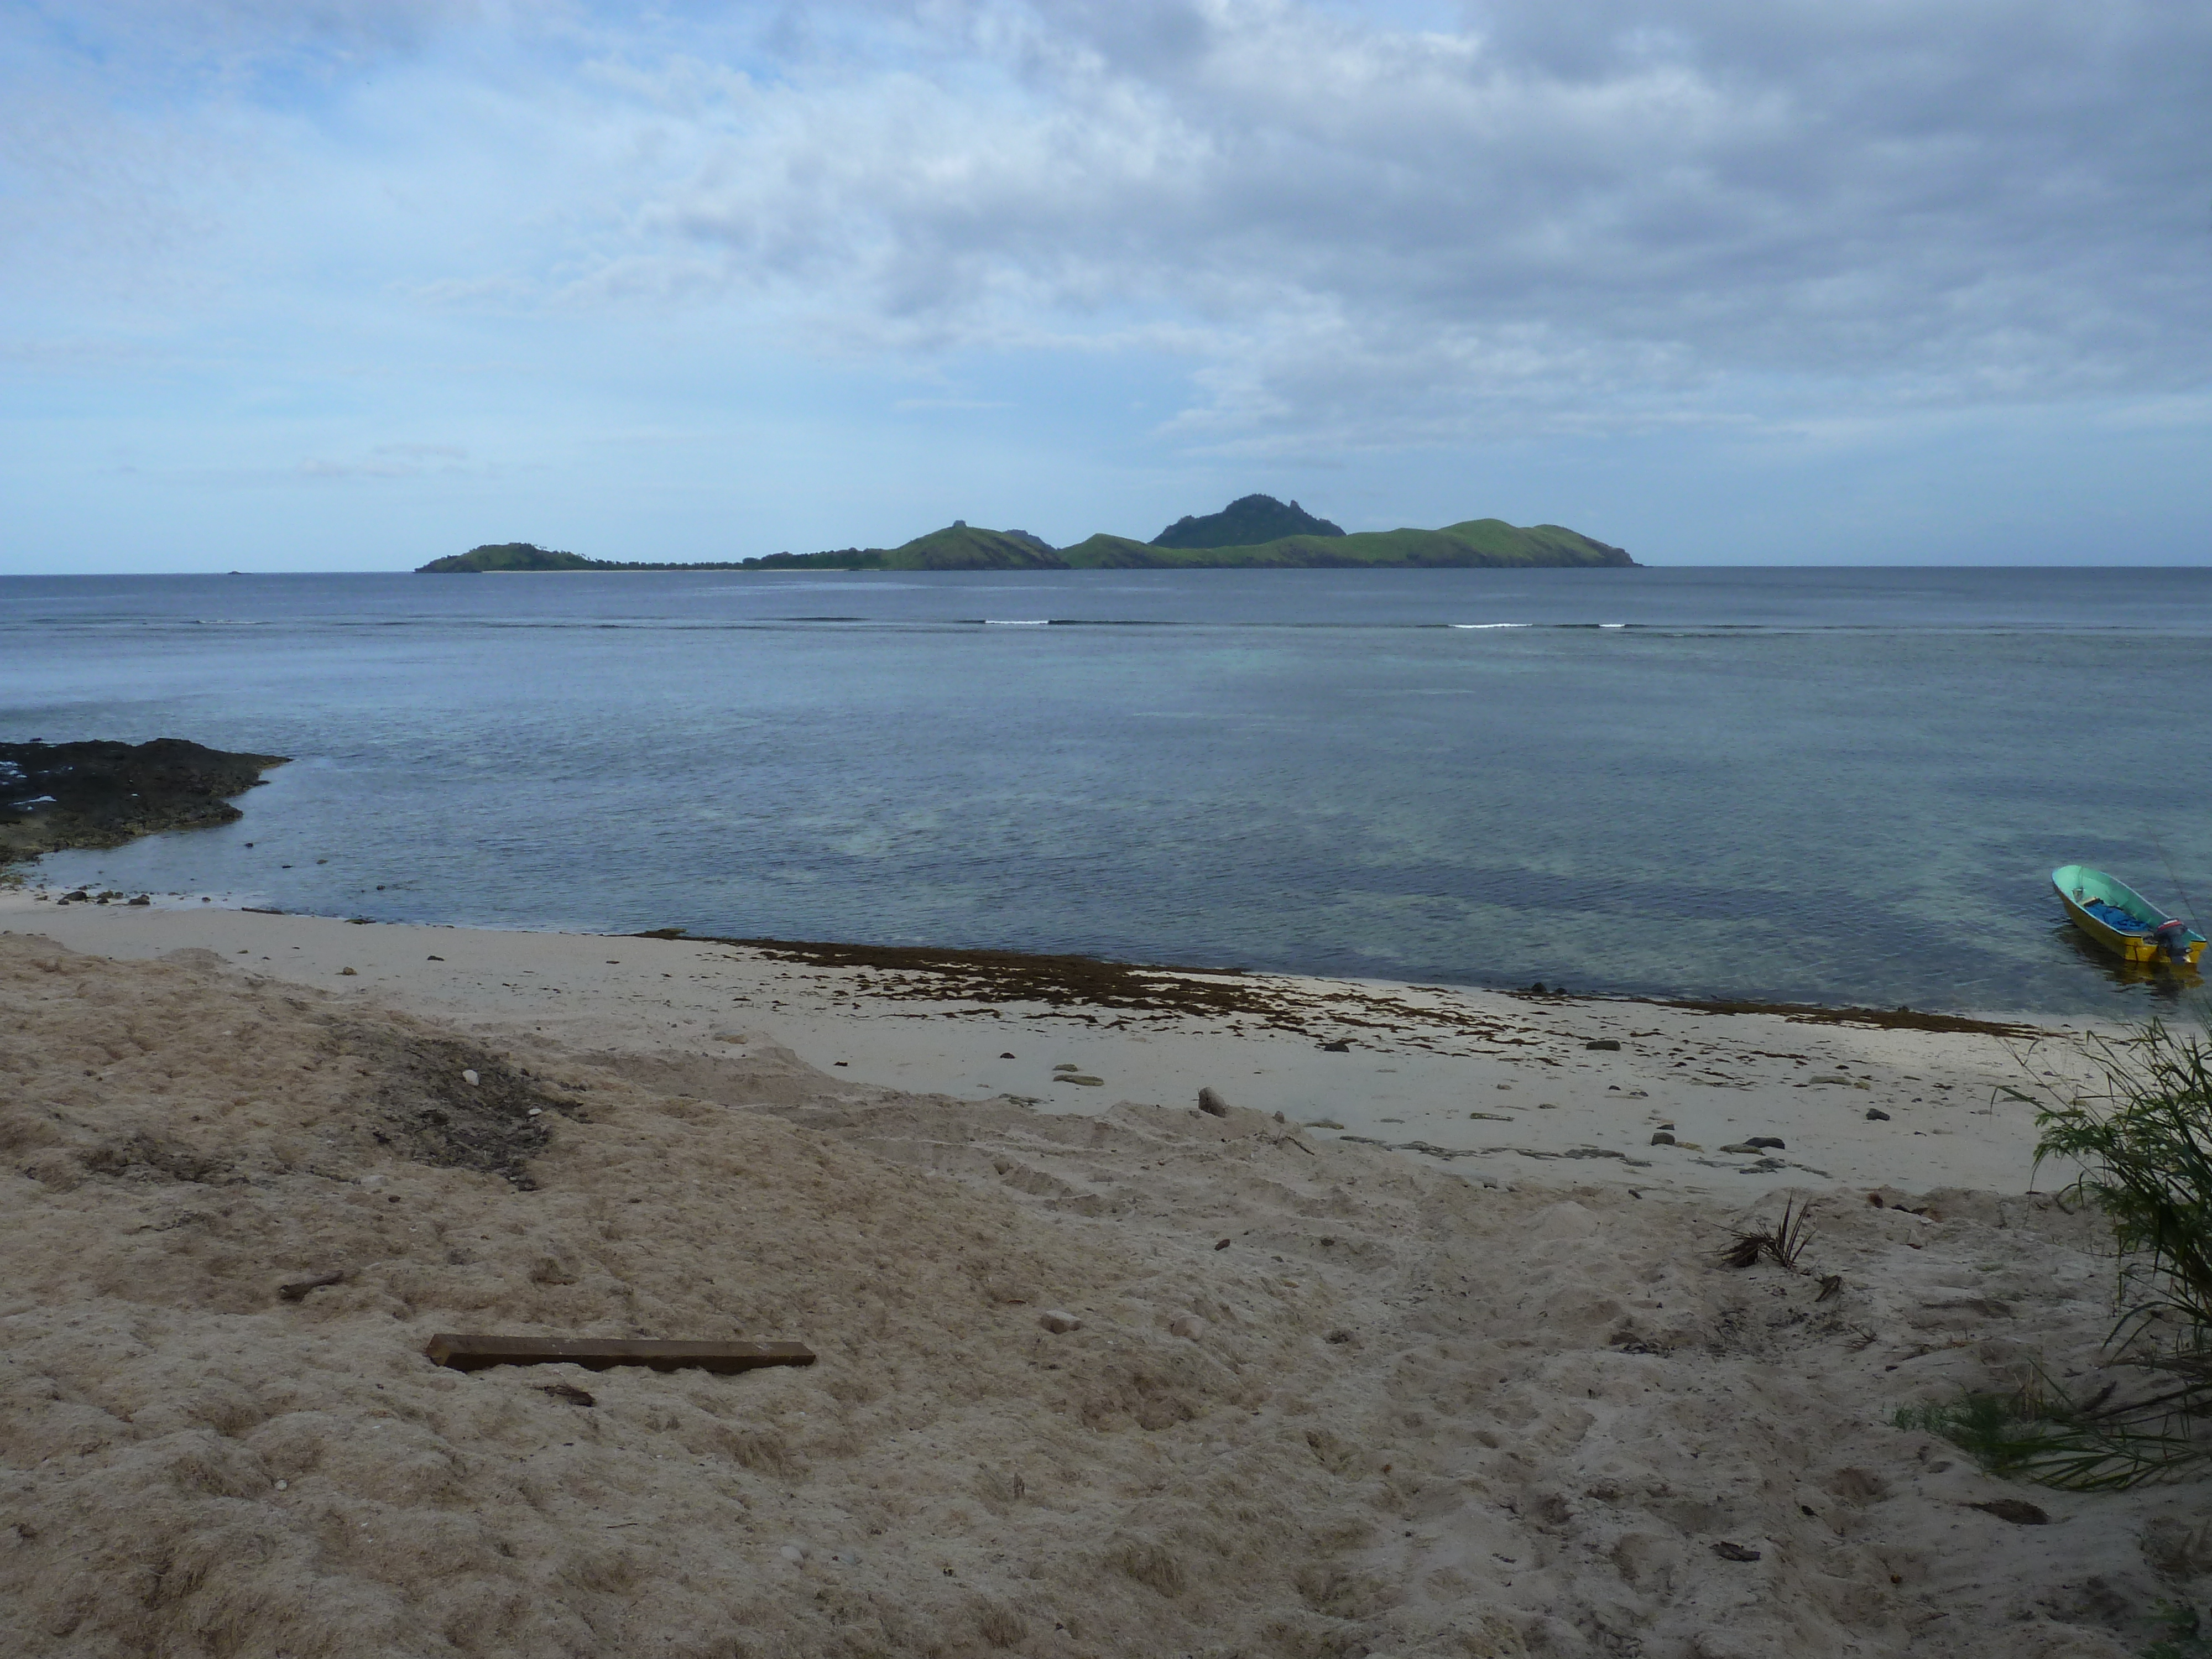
column 1254, row 532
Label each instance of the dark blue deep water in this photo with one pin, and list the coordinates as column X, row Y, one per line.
column 1835, row 785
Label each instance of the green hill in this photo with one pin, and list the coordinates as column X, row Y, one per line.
column 507, row 555
column 958, row 546
column 1478, row 542
column 527, row 556
column 1247, row 521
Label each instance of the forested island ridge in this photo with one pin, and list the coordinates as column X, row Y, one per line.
column 1293, row 539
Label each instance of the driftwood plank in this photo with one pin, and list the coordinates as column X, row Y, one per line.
column 469, row 1353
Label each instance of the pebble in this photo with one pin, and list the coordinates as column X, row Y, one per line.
column 348, row 973
column 1772, row 1141
column 1876, row 1114
column 1211, row 1104
column 1059, row 1321
column 793, row 1552
column 1188, row 1325
column 1339, row 1047
column 468, row 1077
column 1612, row 1043
column 1663, row 1139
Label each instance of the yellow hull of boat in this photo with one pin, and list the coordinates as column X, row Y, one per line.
column 2129, row 947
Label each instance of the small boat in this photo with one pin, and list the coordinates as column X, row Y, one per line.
column 2122, row 920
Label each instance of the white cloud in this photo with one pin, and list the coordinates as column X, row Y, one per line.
column 1390, row 230
column 1285, row 228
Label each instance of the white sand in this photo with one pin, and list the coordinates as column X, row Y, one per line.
column 1404, row 1411
column 1521, row 1064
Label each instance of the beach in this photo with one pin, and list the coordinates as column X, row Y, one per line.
column 1099, row 1372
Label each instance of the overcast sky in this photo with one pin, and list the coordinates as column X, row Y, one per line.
column 352, row 284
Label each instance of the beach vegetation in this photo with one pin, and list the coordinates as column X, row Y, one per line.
column 2185, row 1636
column 1784, row 1243
column 2140, row 1146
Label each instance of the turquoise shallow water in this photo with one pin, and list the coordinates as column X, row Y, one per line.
column 1845, row 785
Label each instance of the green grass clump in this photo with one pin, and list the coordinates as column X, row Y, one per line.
column 2144, row 1153
column 2146, row 1156
column 2185, row 1638
column 2036, row 1433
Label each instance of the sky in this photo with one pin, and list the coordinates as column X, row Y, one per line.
column 352, row 284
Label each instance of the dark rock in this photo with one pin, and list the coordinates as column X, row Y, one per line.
column 1876, row 1114
column 1772, row 1142
column 2020, row 1512
column 567, row 1391
column 1339, row 1047
column 298, row 1288
column 144, row 898
column 56, row 795
column 1211, row 1104
column 1611, row 1044
column 1663, row 1139
column 1728, row 1552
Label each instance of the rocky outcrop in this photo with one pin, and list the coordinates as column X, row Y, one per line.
column 55, row 795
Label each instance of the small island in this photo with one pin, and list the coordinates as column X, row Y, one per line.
column 1253, row 532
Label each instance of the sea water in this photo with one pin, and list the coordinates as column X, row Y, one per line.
column 1846, row 785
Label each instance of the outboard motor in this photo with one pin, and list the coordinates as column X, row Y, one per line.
column 2172, row 941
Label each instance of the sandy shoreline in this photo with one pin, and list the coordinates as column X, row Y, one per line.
column 1326, row 1398
column 1498, row 1084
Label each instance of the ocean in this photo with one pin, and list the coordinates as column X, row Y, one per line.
column 1826, row 785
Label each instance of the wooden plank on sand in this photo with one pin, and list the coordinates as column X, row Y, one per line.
column 469, row 1353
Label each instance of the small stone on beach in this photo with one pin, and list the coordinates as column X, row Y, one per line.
column 1211, row 1104
column 1876, row 1114
column 1612, row 1043
column 470, row 1078
column 1059, row 1321
column 2016, row 1510
column 1728, row 1552
column 1663, row 1139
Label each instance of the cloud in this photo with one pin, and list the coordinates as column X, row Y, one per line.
column 1339, row 225
column 1548, row 214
